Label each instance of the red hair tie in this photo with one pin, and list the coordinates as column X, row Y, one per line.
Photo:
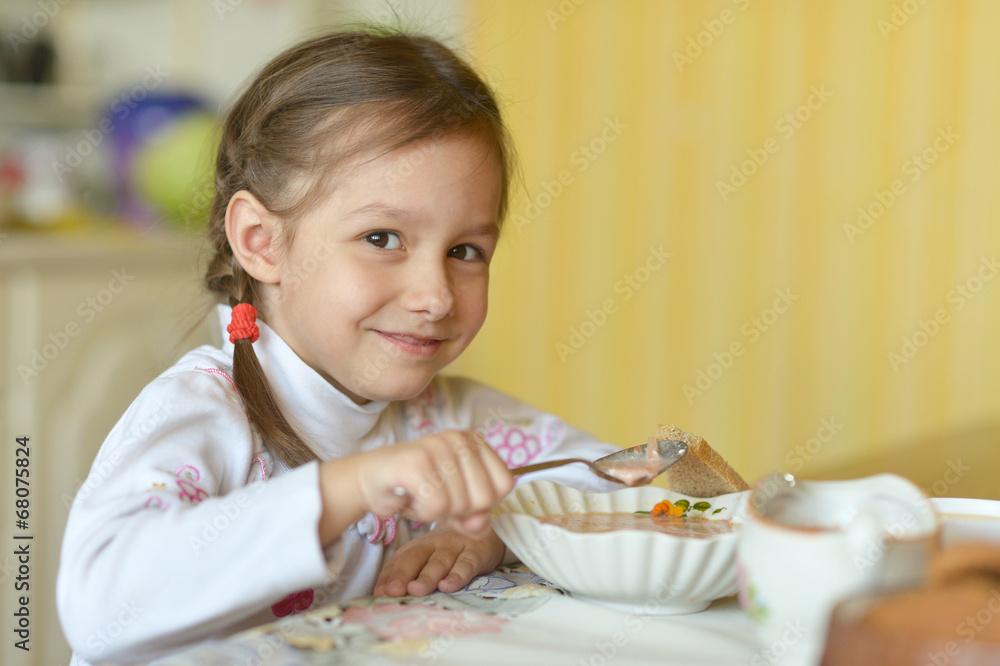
column 244, row 324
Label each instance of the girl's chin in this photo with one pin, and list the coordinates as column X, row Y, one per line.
column 388, row 391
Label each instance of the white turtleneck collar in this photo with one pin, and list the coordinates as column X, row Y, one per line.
column 330, row 422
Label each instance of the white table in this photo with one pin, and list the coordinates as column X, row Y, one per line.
column 541, row 627
column 568, row 631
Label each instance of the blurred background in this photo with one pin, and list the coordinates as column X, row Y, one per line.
column 774, row 224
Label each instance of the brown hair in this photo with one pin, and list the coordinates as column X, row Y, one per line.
column 317, row 107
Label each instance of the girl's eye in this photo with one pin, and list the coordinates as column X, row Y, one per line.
column 466, row 252
column 386, row 240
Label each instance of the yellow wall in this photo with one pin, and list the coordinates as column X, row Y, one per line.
column 886, row 85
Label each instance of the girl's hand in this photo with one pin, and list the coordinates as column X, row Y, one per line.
column 452, row 476
column 443, row 559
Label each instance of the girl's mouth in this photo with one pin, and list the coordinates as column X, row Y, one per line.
column 414, row 345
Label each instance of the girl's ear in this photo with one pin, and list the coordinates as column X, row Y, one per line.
column 253, row 234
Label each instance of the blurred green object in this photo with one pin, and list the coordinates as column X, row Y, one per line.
column 174, row 169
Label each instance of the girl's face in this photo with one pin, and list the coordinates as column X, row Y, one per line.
column 385, row 282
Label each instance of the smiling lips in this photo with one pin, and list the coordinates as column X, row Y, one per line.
column 415, row 345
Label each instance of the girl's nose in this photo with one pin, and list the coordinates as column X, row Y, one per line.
column 429, row 293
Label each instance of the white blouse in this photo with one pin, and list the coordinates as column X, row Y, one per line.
column 188, row 529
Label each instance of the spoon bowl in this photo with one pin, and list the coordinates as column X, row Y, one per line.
column 634, row 466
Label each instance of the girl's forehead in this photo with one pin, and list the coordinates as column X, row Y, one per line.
column 457, row 164
column 417, row 152
column 460, row 170
column 451, row 160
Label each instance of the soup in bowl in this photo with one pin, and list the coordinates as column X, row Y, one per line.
column 618, row 550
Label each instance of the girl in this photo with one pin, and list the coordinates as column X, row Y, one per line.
column 361, row 182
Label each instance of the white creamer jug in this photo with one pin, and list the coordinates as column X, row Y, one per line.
column 806, row 545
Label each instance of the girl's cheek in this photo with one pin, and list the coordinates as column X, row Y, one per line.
column 472, row 291
column 478, row 303
column 369, row 295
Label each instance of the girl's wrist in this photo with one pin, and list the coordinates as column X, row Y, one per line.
column 341, row 499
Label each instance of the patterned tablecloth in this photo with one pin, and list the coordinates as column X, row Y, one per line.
column 507, row 617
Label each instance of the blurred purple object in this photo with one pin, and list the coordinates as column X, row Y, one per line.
column 134, row 122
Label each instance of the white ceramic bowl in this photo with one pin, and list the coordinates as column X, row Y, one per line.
column 967, row 519
column 636, row 571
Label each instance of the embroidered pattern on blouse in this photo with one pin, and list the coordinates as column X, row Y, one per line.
column 154, row 502
column 263, row 470
column 216, row 371
column 186, row 477
column 516, row 446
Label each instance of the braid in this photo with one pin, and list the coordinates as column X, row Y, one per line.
column 226, row 276
column 263, row 410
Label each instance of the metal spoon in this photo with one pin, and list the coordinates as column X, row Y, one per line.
column 631, row 467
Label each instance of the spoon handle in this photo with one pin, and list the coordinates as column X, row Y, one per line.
column 546, row 465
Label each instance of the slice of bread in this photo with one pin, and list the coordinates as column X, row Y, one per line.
column 702, row 472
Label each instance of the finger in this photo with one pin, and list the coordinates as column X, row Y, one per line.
column 384, row 576
column 462, row 571
column 453, row 471
column 479, row 489
column 501, row 479
column 424, row 481
column 437, row 567
column 402, row 567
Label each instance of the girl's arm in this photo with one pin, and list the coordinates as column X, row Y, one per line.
column 166, row 544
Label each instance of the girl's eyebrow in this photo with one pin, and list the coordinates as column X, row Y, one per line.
column 379, row 208
column 489, row 229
